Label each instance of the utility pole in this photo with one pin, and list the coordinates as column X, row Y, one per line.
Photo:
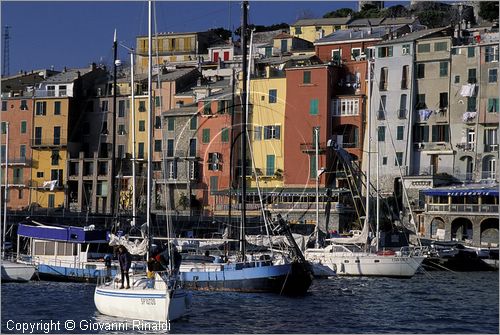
column 6, row 52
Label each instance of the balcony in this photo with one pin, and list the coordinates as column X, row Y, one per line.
column 50, row 93
column 48, row 142
column 491, row 148
column 311, row 147
column 467, row 208
column 469, row 117
column 22, row 161
column 465, row 146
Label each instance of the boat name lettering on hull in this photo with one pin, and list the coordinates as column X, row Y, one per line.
column 148, row 301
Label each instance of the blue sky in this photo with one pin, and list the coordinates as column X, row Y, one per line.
column 75, row 34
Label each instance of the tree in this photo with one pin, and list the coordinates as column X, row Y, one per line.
column 342, row 12
column 261, row 28
column 397, row 11
column 488, row 10
column 222, row 33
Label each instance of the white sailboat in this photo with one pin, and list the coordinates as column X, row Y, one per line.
column 151, row 299
column 354, row 256
column 11, row 270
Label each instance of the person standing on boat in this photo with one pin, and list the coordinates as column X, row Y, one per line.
column 107, row 264
column 125, row 261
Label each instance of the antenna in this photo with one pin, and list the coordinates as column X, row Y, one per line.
column 6, row 52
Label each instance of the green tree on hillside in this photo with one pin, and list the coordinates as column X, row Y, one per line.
column 488, row 10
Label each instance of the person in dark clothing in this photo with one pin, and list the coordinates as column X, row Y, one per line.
column 177, row 260
column 107, row 264
column 125, row 261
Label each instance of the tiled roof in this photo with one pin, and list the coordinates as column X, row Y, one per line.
column 353, row 34
column 366, row 22
column 184, row 110
column 283, row 35
column 322, row 22
column 414, row 36
column 67, row 76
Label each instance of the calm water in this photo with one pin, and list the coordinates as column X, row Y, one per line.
column 438, row 302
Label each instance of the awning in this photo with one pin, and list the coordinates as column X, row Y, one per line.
column 65, row 234
column 461, row 192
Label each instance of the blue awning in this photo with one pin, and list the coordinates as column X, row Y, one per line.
column 62, row 233
column 460, row 192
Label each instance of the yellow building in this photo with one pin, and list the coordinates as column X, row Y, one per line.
column 314, row 29
column 267, row 119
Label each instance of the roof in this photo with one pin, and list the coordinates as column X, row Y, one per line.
column 353, row 34
column 280, row 60
column 62, row 233
column 184, row 110
column 398, row 20
column 265, row 36
column 375, row 21
column 414, row 36
column 463, row 190
column 322, row 22
column 21, row 81
column 67, row 76
column 282, row 35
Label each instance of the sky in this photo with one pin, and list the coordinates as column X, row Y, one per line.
column 76, row 33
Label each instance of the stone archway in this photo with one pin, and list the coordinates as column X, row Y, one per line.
column 437, row 223
column 461, row 229
column 489, row 231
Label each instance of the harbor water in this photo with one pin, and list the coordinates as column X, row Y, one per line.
column 431, row 302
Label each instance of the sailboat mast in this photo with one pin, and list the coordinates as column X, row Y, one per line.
column 6, row 187
column 132, row 92
column 316, row 148
column 369, row 126
column 113, row 131
column 243, row 129
column 378, row 196
column 150, row 128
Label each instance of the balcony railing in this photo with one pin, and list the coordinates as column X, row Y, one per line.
column 465, row 146
column 50, row 93
column 490, row 147
column 19, row 161
column 311, row 147
column 49, row 142
column 467, row 208
column 349, row 145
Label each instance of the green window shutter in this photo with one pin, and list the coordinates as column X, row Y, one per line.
column 381, row 133
column 171, row 123
column 313, row 107
column 446, row 133
column 207, row 108
column 312, row 166
column 193, row 123
column 270, row 165
column 23, row 127
column 400, row 133
column 221, row 107
column 206, row 135
column 157, row 101
column 214, row 184
column 434, row 133
column 443, row 69
column 307, row 77
column 225, row 135
column 470, row 52
column 426, row 134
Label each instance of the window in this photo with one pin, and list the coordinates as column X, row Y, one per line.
column 157, row 101
column 472, row 76
column 62, row 90
column 402, row 106
column 57, row 108
column 38, row 135
column 492, row 75
column 443, row 69
column 381, row 133
column 41, row 108
column 157, row 122
column 421, row 134
column 470, row 52
column 170, row 123
column 121, row 151
column 2, row 155
column 140, row 150
column 121, row 108
column 355, row 53
column 4, row 106
column 441, row 46
column 443, row 100
column 207, row 108
column 313, row 107
column 273, row 95
column 224, row 135
column 492, row 105
column 336, row 56
column 404, row 78
column 420, row 101
column 306, row 77
column 491, row 54
column 257, row 133
column 420, row 71
column 298, row 30
column 192, row 147
column 400, row 130
column 221, row 106
column 142, row 106
column 157, row 145
column 384, row 73
column 214, row 161
column 490, row 136
column 270, row 160
column 272, row 132
column 39, row 174
column 399, row 159
column 440, row 133
column 24, row 105
column 193, row 123
column 424, row 47
column 313, row 171
column 55, row 157
column 471, row 104
column 172, row 169
column 51, row 201
column 381, row 107
column 457, row 79
column 104, row 106
column 22, row 150
column 384, row 160
column 57, row 135
column 214, row 184
column 170, row 148
column 142, row 125
column 206, row 135
column 51, row 91
column 384, row 52
column 345, row 107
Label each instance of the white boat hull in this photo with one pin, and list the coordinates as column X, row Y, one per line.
column 365, row 264
column 16, row 272
column 141, row 302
